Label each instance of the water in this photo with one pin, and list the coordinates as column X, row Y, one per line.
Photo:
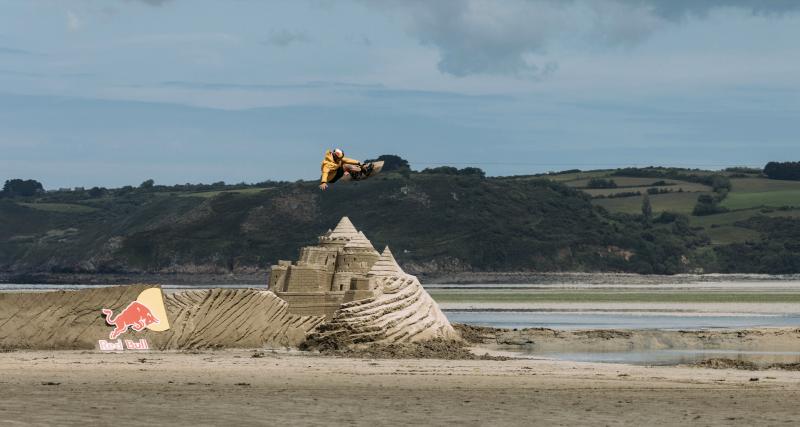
column 668, row 357
column 575, row 320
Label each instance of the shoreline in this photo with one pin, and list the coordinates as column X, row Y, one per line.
column 260, row 278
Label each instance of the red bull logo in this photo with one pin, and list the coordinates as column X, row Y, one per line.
column 117, row 345
column 136, row 316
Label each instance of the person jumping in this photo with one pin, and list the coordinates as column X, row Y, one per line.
column 335, row 165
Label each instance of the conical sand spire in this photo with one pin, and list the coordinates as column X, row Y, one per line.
column 360, row 241
column 345, row 230
column 386, row 265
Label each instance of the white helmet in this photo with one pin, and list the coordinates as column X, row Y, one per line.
column 338, row 153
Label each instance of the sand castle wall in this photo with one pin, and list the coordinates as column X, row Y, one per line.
column 212, row 318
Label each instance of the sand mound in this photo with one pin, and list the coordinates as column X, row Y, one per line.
column 215, row 318
column 436, row 348
column 243, row 318
column 723, row 363
column 402, row 313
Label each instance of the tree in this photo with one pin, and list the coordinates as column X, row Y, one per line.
column 647, row 208
column 22, row 188
column 720, row 183
column 392, row 163
column 707, row 205
column 783, row 170
column 96, row 192
column 447, row 170
column 147, row 184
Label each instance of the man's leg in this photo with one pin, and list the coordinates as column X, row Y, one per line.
column 339, row 174
column 353, row 170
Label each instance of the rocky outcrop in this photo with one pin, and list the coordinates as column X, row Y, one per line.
column 212, row 318
column 402, row 311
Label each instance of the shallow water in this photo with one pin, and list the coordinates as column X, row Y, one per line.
column 575, row 320
column 669, row 357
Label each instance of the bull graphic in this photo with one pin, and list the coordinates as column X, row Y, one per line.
column 136, row 315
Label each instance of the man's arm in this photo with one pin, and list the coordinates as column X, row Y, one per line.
column 350, row 161
column 325, row 172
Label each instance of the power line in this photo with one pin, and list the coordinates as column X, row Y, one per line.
column 616, row 165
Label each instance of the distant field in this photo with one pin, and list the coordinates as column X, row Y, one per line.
column 673, row 202
column 565, row 178
column 624, row 181
column 740, row 215
column 59, row 207
column 210, row 194
column 604, row 297
column 746, row 200
column 691, row 188
column 752, row 185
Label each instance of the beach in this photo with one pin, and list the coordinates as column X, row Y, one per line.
column 233, row 387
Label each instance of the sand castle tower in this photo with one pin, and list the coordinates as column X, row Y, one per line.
column 325, row 273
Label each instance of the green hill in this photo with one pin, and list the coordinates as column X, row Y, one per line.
column 435, row 222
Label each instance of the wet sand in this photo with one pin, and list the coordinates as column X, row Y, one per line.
column 233, row 388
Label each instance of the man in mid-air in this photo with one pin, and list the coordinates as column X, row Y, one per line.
column 335, row 165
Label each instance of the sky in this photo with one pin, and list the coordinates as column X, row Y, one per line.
column 114, row 92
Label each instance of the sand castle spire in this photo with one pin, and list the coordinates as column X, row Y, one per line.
column 345, row 229
column 344, row 232
column 386, row 265
column 360, row 241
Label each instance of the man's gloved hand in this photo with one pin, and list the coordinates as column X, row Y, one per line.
column 323, row 186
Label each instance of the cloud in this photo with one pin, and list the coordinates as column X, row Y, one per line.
column 153, row 2
column 266, row 87
column 73, row 21
column 491, row 37
column 12, row 51
column 679, row 9
column 284, row 38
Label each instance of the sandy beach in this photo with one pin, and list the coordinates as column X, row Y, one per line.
column 234, row 388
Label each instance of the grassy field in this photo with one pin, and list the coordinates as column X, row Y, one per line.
column 59, row 207
column 752, row 185
column 210, row 194
column 577, row 176
column 673, row 202
column 746, row 200
column 748, row 197
column 444, row 296
column 641, row 184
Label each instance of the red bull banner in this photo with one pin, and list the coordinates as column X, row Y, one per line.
column 146, row 312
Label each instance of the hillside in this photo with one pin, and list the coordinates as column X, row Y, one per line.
column 435, row 222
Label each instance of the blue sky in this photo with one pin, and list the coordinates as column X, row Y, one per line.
column 113, row 92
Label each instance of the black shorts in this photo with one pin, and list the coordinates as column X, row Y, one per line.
column 339, row 174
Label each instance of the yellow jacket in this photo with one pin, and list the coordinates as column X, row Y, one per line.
column 330, row 166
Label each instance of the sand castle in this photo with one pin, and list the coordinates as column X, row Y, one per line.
column 362, row 294
column 329, row 274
